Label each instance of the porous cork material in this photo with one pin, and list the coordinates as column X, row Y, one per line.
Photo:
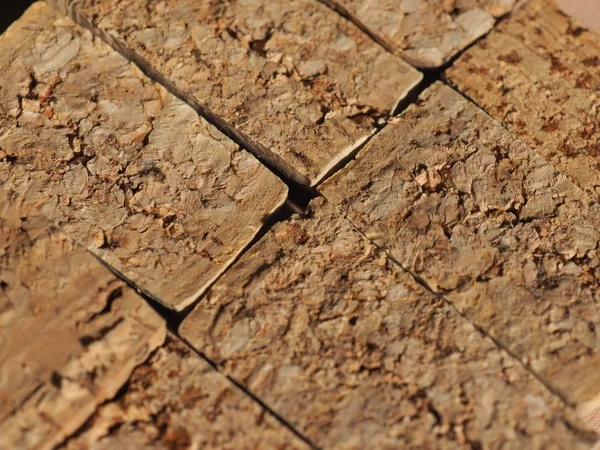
column 482, row 219
column 294, row 77
column 71, row 332
column 539, row 74
column 351, row 351
column 125, row 168
column 427, row 34
column 176, row 401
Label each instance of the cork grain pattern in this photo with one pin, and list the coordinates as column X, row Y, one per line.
column 71, row 332
column 176, row 401
column 539, row 74
column 346, row 347
column 471, row 210
column 124, row 167
column 294, row 76
column 428, row 33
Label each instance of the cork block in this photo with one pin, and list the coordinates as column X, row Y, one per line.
column 127, row 169
column 352, row 352
column 427, row 34
column 482, row 219
column 539, row 73
column 293, row 77
column 71, row 332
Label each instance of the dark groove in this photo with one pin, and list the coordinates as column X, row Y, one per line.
column 272, row 161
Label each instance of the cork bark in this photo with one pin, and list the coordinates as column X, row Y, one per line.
column 539, row 74
column 478, row 216
column 176, row 401
column 71, row 332
column 293, row 76
column 428, row 33
column 344, row 345
column 124, row 167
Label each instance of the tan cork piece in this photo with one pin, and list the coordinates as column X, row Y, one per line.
column 482, row 219
column 351, row 351
column 71, row 332
column 127, row 169
column 294, row 77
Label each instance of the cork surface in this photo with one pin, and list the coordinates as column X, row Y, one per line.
column 428, row 33
column 176, row 401
column 294, row 76
column 355, row 354
column 539, row 74
column 54, row 291
column 472, row 211
column 125, row 168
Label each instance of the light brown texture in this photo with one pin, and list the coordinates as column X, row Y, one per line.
column 346, row 347
column 71, row 332
column 176, row 401
column 585, row 11
column 293, row 76
column 427, row 33
column 123, row 166
column 539, row 74
column 473, row 212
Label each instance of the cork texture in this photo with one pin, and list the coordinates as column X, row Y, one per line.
column 124, row 167
column 351, row 351
column 293, row 76
column 473, row 212
column 176, row 401
column 428, row 33
column 539, row 74
column 54, row 291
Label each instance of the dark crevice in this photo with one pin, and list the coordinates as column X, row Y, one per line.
column 11, row 11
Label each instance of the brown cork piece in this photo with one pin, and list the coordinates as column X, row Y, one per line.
column 539, row 74
column 479, row 217
column 71, row 332
column 427, row 33
column 346, row 347
column 294, row 76
column 125, row 168
column 177, row 401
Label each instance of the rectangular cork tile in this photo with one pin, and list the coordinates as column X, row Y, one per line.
column 539, row 74
column 127, row 169
column 177, row 401
column 480, row 218
column 295, row 78
column 352, row 352
column 54, row 291
column 427, row 34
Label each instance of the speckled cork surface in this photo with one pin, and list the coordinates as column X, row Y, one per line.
column 124, row 167
column 71, row 332
column 441, row 294
column 427, row 34
column 354, row 353
column 539, row 74
column 479, row 217
column 176, row 401
column 293, row 76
